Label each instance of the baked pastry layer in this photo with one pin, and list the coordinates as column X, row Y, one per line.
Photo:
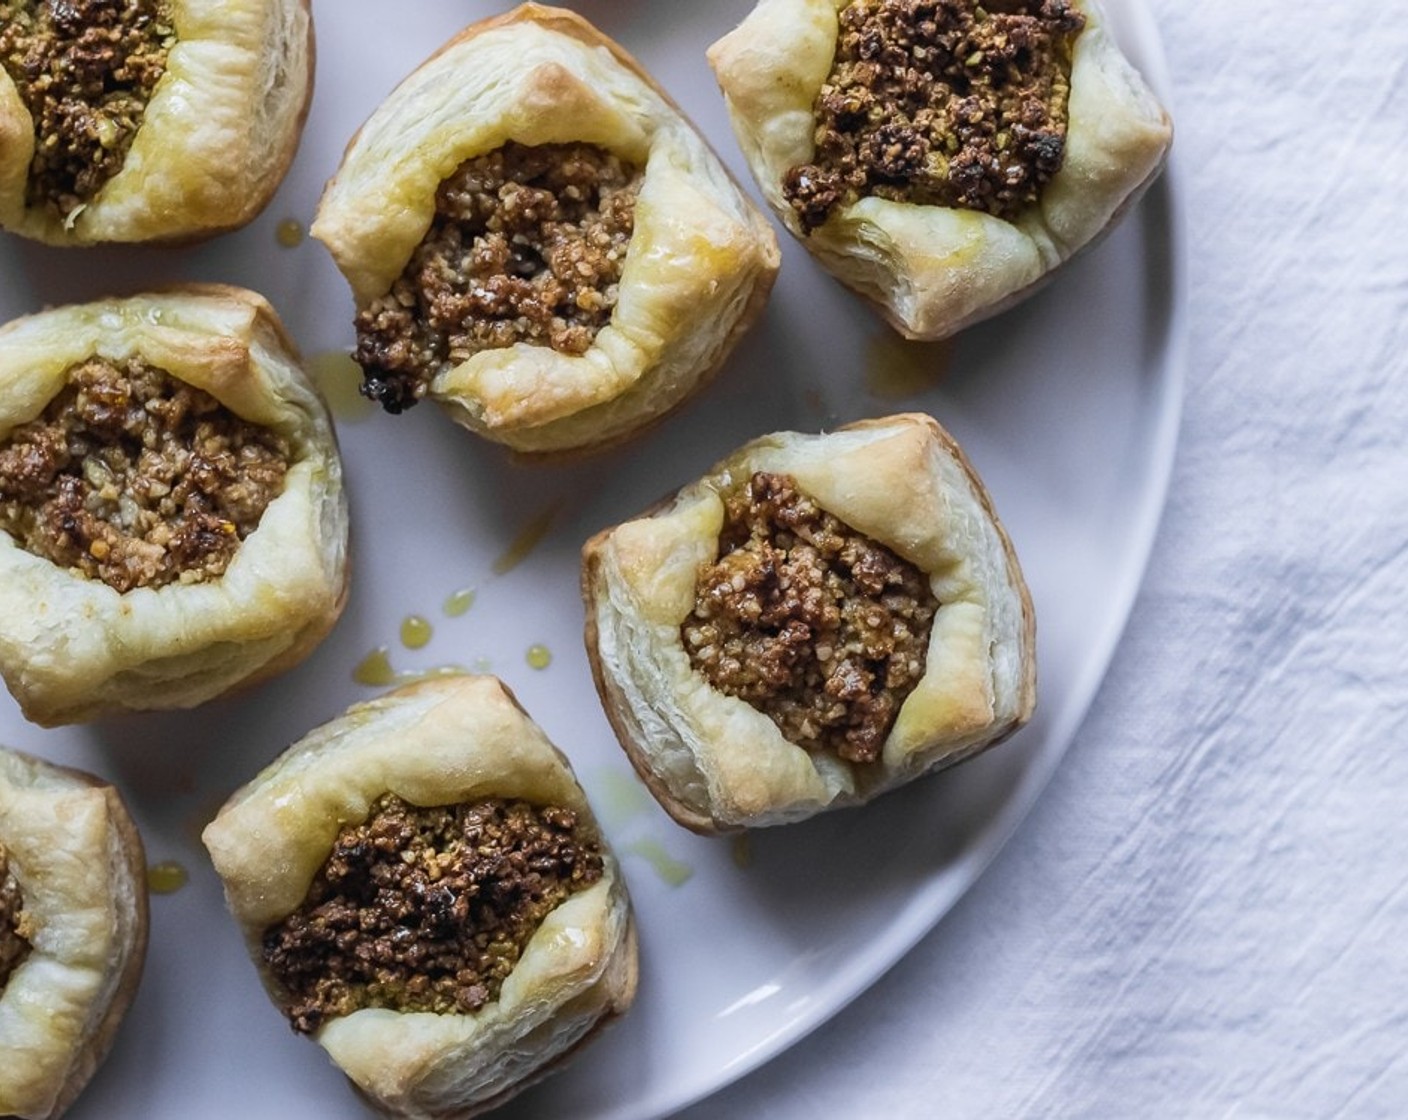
column 76, row 860
column 85, row 634
column 698, row 265
column 450, row 742
column 970, row 200
column 902, row 498
column 186, row 132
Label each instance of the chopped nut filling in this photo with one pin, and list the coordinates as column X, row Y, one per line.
column 137, row 479
column 941, row 103
column 527, row 245
column 818, row 627
column 14, row 946
column 426, row 909
column 85, row 70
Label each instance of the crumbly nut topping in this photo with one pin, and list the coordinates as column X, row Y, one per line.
column 14, row 944
column 823, row 630
column 427, row 909
column 85, row 70
column 941, row 103
column 527, row 245
column 137, row 479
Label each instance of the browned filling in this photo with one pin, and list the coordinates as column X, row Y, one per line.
column 14, row 946
column 85, row 70
column 821, row 629
column 137, row 479
column 941, row 103
column 426, row 909
column 527, row 245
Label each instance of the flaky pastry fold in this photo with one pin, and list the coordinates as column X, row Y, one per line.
column 702, row 257
column 72, row 647
column 442, row 741
column 933, row 270
column 714, row 761
column 78, row 860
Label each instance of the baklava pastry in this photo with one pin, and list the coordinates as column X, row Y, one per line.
column 73, row 930
column 539, row 241
column 147, row 120
column 424, row 890
column 172, row 517
column 817, row 620
column 941, row 158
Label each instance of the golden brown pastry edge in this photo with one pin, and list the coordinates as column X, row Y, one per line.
column 575, row 26
column 614, row 704
column 125, row 841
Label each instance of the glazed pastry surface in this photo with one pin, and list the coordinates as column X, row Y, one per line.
column 931, row 270
column 715, row 761
column 439, row 742
column 701, row 259
column 214, row 140
column 78, row 861
column 73, row 646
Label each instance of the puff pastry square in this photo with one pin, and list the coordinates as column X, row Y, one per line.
column 971, row 148
column 476, row 298
column 121, row 586
column 188, row 117
column 73, row 930
column 817, row 620
column 455, row 747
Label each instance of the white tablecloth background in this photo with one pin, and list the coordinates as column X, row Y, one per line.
column 1206, row 915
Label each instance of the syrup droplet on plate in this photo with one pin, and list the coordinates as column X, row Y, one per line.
column 671, row 870
column 375, row 670
column 166, row 877
column 527, row 539
column 415, row 632
column 289, row 233
column 897, row 369
column 741, row 848
column 458, row 602
column 621, row 797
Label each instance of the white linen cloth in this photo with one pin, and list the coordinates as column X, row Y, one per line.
column 1206, row 914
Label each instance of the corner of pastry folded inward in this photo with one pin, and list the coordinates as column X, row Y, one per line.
column 940, row 157
column 537, row 239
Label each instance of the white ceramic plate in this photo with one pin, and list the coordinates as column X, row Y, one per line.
column 1068, row 406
